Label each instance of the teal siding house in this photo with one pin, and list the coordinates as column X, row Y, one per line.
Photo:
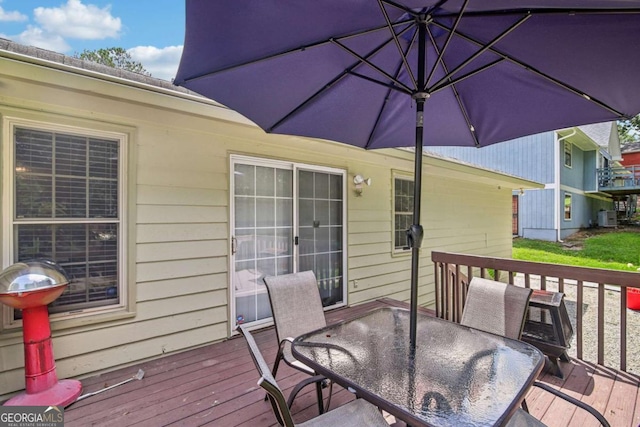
column 566, row 161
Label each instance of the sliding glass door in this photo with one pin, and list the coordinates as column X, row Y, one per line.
column 285, row 218
column 320, row 230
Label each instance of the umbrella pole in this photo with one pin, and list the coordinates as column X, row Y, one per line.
column 416, row 232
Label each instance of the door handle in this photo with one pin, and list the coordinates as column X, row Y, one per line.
column 233, row 245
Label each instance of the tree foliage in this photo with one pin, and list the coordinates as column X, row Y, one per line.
column 115, row 57
column 629, row 130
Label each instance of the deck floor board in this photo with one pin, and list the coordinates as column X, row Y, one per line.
column 216, row 385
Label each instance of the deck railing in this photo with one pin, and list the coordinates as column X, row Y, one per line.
column 618, row 177
column 454, row 271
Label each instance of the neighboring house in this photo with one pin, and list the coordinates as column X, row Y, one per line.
column 166, row 209
column 631, row 161
column 631, row 154
column 567, row 162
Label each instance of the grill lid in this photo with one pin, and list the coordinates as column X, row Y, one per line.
column 31, row 276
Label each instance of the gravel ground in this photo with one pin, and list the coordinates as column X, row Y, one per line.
column 590, row 326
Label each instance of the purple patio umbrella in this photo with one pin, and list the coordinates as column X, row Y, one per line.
column 381, row 73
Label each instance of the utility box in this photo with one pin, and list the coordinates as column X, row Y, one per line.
column 607, row 219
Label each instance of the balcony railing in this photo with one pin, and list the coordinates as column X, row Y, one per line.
column 585, row 286
column 619, row 178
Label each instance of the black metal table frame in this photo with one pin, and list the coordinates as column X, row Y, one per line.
column 379, row 401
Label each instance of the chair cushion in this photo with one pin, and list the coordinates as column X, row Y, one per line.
column 524, row 419
column 358, row 413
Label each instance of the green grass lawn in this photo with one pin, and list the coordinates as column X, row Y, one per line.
column 613, row 251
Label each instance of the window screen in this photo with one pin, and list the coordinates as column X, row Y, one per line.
column 66, row 210
column 403, row 211
column 567, row 154
column 567, row 206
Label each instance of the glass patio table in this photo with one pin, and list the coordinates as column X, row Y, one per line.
column 455, row 376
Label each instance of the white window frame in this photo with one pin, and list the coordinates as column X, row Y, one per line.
column 394, row 177
column 8, row 209
column 568, row 196
column 568, row 149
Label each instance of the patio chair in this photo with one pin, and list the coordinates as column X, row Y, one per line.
column 501, row 309
column 357, row 413
column 496, row 307
column 522, row 418
column 297, row 309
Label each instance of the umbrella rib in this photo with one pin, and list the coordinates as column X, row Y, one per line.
column 446, row 43
column 365, row 61
column 444, row 85
column 463, row 110
column 485, row 47
column 409, row 11
column 348, row 71
column 386, row 98
column 378, row 82
column 397, row 43
column 290, row 51
column 563, row 11
column 539, row 73
column 306, row 101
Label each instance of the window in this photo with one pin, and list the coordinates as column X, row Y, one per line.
column 66, row 205
column 567, row 206
column 567, row 154
column 515, row 199
column 402, row 211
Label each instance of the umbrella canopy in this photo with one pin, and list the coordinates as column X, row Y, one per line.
column 384, row 73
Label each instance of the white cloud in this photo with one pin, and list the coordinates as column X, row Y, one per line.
column 77, row 20
column 34, row 36
column 161, row 63
column 11, row 16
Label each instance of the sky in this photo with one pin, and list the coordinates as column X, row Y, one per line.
column 152, row 31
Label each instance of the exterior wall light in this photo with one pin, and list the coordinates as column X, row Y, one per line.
column 359, row 181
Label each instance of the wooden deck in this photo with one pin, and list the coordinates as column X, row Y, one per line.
column 216, row 386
